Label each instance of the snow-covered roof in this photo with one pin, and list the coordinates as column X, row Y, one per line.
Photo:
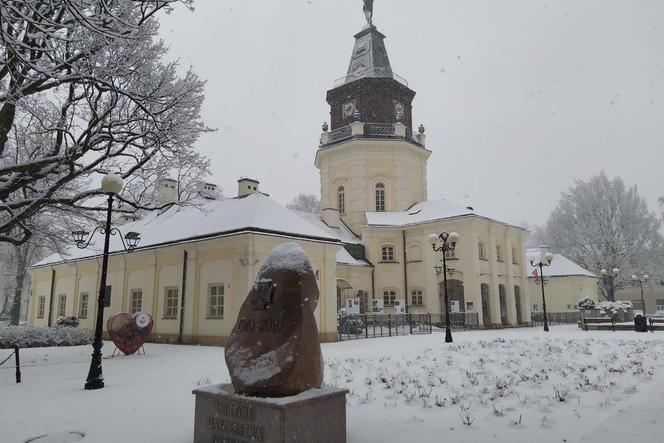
column 426, row 212
column 344, row 258
column 561, row 266
column 342, row 233
column 253, row 213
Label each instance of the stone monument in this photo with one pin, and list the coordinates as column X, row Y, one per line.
column 276, row 366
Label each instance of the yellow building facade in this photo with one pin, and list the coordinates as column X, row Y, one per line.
column 194, row 281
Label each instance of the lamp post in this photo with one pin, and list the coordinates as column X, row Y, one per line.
column 641, row 279
column 609, row 281
column 448, row 242
column 111, row 184
column 548, row 258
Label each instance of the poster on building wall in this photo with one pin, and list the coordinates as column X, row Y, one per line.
column 107, row 297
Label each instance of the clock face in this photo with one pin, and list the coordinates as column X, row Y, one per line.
column 399, row 110
column 348, row 109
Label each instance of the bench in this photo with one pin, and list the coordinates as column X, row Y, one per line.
column 655, row 321
column 597, row 320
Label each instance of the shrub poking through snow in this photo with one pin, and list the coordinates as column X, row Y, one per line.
column 39, row 337
column 67, row 322
column 585, row 304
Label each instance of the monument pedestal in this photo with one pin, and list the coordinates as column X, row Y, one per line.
column 314, row 416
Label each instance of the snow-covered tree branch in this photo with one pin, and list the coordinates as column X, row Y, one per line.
column 600, row 224
column 85, row 91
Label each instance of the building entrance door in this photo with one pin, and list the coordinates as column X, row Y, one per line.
column 486, row 306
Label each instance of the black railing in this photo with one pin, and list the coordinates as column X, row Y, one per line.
column 379, row 129
column 358, row 326
column 340, row 134
column 561, row 318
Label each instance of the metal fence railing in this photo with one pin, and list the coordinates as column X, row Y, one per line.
column 359, row 326
column 562, row 318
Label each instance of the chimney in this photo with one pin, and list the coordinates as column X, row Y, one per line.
column 331, row 217
column 166, row 191
column 247, row 186
column 209, row 191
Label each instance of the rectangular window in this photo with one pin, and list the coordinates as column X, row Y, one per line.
column 136, row 300
column 216, row 300
column 41, row 306
column 569, row 307
column 470, row 306
column 499, row 253
column 387, row 253
column 389, row 296
column 171, row 303
column 62, row 304
column 515, row 257
column 660, row 305
column 480, row 250
column 83, row 305
column 450, row 255
column 416, row 298
column 535, row 308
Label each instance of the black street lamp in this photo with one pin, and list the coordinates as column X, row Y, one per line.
column 548, row 258
column 448, row 242
column 642, row 279
column 111, row 184
column 609, row 280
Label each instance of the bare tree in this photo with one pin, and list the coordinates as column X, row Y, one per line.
column 84, row 91
column 305, row 203
column 600, row 224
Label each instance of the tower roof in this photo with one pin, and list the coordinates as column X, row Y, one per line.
column 369, row 58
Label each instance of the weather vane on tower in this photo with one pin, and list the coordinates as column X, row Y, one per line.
column 368, row 11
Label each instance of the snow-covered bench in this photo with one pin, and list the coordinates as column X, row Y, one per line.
column 599, row 320
column 655, row 321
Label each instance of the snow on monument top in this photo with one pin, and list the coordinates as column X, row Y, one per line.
column 287, row 257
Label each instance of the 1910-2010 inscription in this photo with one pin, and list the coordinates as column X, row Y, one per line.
column 232, row 424
column 262, row 325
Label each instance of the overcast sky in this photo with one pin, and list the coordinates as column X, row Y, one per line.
column 519, row 97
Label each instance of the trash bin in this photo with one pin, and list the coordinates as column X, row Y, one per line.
column 640, row 323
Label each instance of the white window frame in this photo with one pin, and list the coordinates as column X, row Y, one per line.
column 341, row 199
column 171, row 307
column 417, row 297
column 481, row 250
column 386, row 251
column 41, row 306
column 380, row 193
column 216, row 310
column 133, row 299
column 83, row 304
column 62, row 305
column 389, row 297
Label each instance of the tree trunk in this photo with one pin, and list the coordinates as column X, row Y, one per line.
column 21, row 262
column 7, row 113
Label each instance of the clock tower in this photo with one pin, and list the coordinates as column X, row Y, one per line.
column 370, row 159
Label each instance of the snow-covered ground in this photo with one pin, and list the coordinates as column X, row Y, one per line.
column 515, row 385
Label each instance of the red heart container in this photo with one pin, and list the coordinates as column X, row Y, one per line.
column 130, row 332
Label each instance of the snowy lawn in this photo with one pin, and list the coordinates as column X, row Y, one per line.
column 514, row 385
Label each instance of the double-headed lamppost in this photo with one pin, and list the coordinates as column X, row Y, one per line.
column 445, row 242
column 609, row 281
column 111, row 184
column 543, row 261
column 641, row 279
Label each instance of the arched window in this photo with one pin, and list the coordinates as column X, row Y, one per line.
column 341, row 200
column 387, row 253
column 380, row 197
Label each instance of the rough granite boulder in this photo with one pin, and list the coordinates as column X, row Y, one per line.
column 274, row 350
